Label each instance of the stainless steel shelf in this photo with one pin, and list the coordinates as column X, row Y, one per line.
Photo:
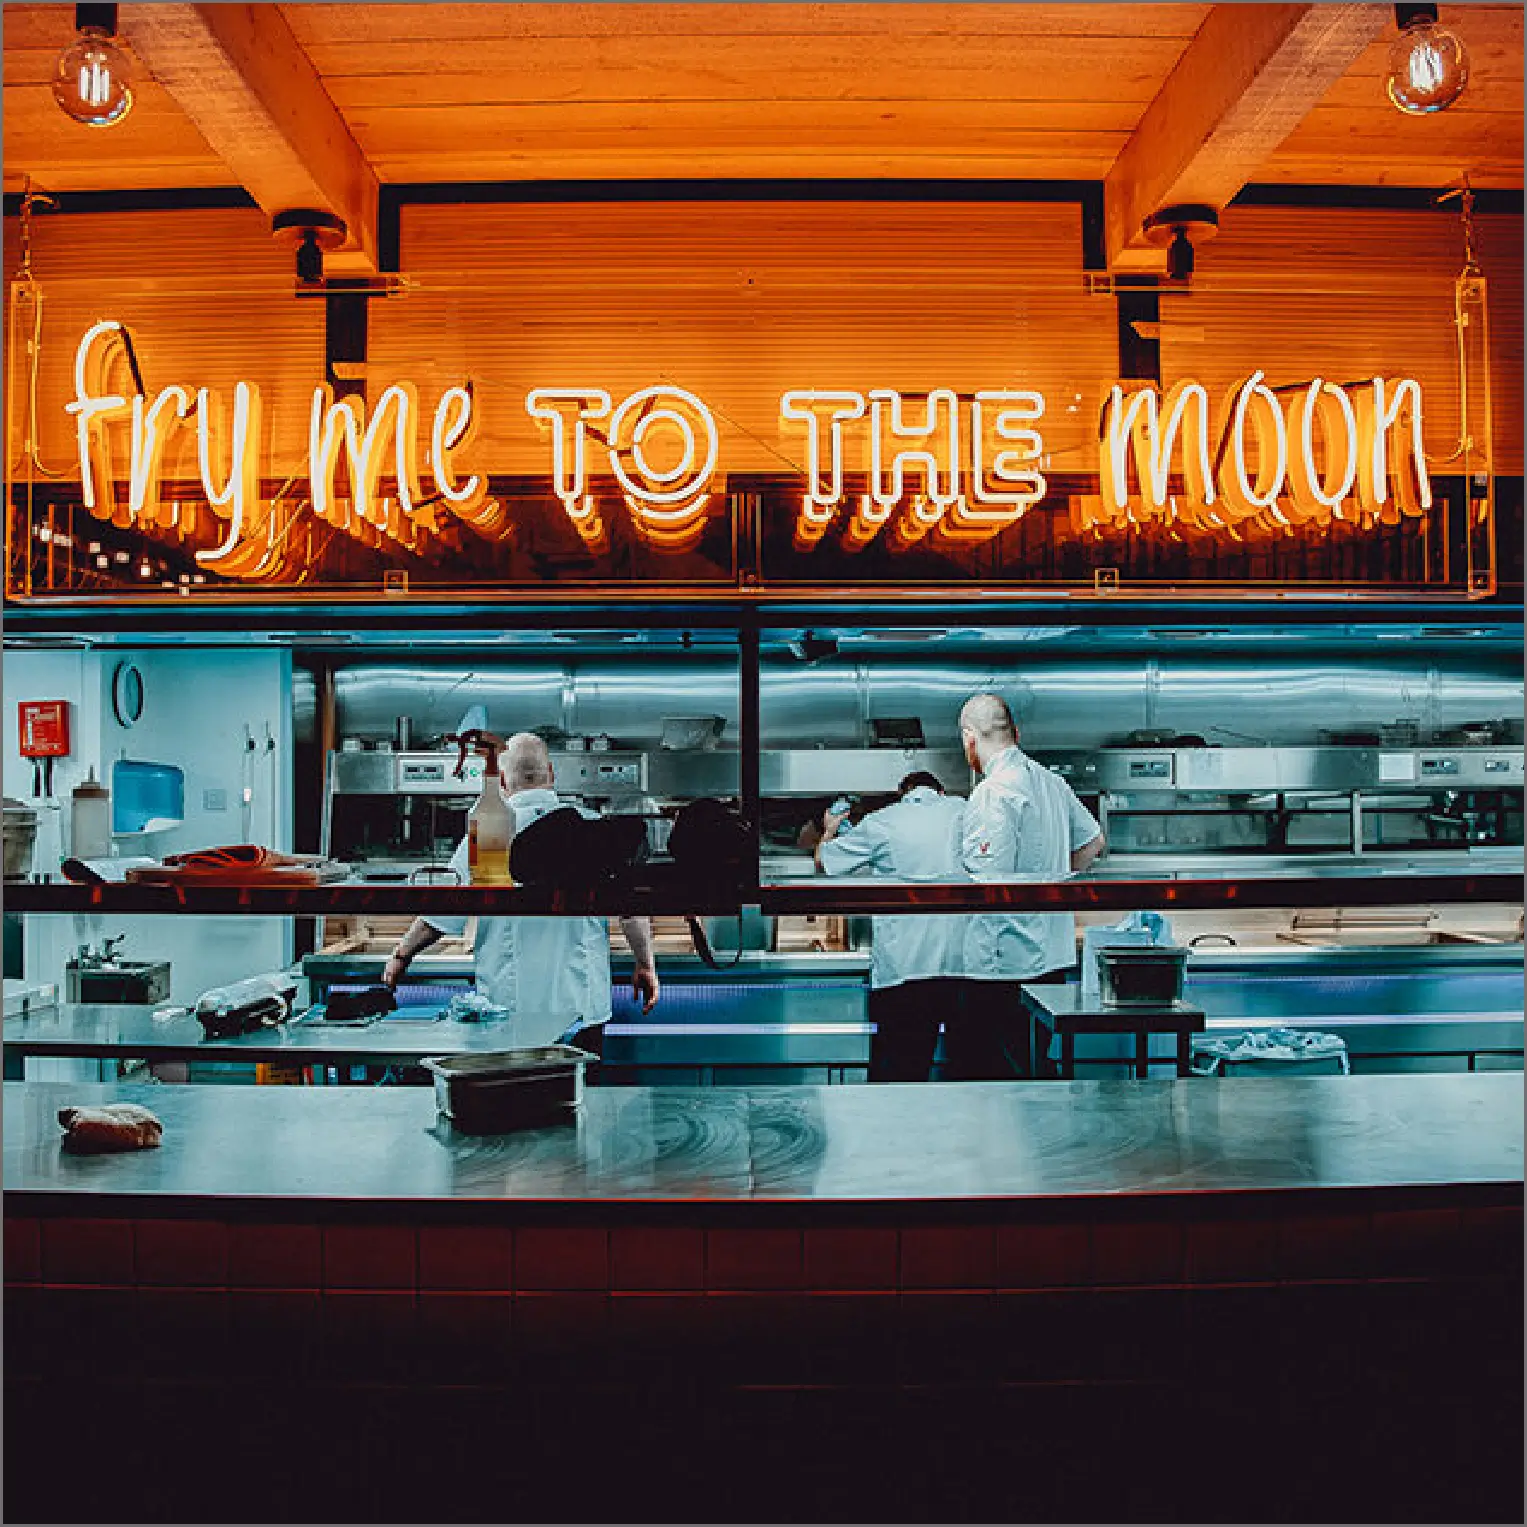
column 1349, row 882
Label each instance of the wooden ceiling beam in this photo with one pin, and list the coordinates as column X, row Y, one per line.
column 241, row 76
column 1249, row 77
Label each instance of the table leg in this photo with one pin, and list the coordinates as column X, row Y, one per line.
column 1068, row 1055
column 1184, row 1053
column 1142, row 1055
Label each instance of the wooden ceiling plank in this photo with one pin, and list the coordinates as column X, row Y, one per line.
column 1424, row 174
column 666, row 68
column 329, row 23
column 1242, row 85
column 239, row 74
column 364, row 96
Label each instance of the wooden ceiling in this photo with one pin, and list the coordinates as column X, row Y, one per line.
column 437, row 92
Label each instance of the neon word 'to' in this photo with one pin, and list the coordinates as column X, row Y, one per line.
column 662, row 444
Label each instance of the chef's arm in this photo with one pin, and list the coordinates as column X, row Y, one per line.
column 418, row 938
column 1083, row 856
column 831, row 822
column 644, row 982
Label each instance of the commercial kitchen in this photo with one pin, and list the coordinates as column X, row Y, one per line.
column 422, row 418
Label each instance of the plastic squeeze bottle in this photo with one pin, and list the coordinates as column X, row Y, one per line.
column 90, row 820
column 490, row 823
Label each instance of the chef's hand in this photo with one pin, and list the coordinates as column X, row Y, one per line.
column 392, row 971
column 644, row 986
column 831, row 822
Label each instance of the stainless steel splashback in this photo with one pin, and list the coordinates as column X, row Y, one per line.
column 1065, row 696
column 1082, row 702
column 625, row 698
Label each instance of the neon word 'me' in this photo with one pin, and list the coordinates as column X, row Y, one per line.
column 1278, row 460
column 666, row 493
column 227, row 446
column 974, row 458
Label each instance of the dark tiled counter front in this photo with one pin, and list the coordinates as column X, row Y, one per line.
column 825, row 1146
column 1054, row 1302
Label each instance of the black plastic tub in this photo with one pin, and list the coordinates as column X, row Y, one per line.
column 1146, row 977
column 499, row 1091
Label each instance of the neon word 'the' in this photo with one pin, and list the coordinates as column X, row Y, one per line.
column 1285, row 456
column 974, row 460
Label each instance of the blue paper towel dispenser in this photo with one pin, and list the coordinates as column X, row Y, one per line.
column 146, row 796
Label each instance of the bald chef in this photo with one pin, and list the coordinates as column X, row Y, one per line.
column 551, row 973
column 917, row 961
column 1022, row 822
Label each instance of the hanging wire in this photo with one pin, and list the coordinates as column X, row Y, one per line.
column 1470, row 273
column 25, row 286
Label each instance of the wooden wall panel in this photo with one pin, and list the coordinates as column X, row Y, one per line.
column 208, row 300
column 1500, row 254
column 1346, row 295
column 741, row 303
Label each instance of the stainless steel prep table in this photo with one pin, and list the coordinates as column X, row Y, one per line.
column 100, row 1031
column 1432, row 1007
column 894, row 1144
column 1062, row 1009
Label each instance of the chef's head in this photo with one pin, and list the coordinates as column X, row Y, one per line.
column 986, row 729
column 919, row 779
column 525, row 764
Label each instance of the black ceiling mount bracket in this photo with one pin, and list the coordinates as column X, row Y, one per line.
column 311, row 233
column 1177, row 229
column 102, row 17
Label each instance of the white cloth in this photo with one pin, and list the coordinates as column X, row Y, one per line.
column 550, row 972
column 1023, row 822
column 916, row 838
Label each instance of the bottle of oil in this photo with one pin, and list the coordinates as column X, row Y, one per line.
column 490, row 823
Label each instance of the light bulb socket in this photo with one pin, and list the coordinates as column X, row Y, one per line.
column 311, row 234
column 96, row 18
column 309, row 258
column 1177, row 230
column 1179, row 256
column 1406, row 16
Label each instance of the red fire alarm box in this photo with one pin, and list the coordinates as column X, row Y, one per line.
column 44, row 728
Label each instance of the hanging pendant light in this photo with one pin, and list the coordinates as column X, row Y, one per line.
column 1428, row 64
column 92, row 82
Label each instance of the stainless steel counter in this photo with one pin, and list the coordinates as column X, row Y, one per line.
column 125, row 1032
column 965, row 1141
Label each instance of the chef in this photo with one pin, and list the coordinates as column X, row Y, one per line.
column 916, row 961
column 551, row 973
column 1023, row 822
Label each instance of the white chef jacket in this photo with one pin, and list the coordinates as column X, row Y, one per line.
column 916, row 838
column 552, row 973
column 1022, row 823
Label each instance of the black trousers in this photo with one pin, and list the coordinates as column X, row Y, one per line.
column 907, row 1019
column 989, row 1035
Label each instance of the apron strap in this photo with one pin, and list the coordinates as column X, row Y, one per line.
column 702, row 943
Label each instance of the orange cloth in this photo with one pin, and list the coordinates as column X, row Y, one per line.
column 235, row 864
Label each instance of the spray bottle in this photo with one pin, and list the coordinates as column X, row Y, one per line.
column 490, row 823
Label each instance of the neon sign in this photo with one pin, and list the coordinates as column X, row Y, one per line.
column 1265, row 465
column 991, row 432
column 957, row 467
